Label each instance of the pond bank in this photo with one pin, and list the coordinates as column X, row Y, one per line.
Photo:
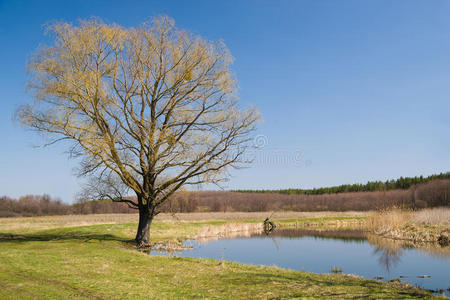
column 425, row 226
column 418, row 234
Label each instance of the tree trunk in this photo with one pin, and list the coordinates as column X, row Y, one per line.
column 143, row 233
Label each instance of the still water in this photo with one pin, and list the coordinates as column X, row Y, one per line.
column 319, row 252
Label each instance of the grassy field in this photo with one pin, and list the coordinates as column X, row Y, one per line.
column 93, row 257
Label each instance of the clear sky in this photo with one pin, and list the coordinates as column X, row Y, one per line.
column 350, row 91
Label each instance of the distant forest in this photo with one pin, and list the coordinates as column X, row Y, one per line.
column 429, row 192
column 402, row 183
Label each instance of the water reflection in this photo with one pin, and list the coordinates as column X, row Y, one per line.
column 340, row 234
column 388, row 257
column 353, row 250
column 388, row 251
column 395, row 248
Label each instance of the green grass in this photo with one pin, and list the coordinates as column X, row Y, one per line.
column 100, row 262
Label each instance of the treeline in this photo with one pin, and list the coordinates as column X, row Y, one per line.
column 431, row 194
column 402, row 183
column 32, row 205
column 44, row 205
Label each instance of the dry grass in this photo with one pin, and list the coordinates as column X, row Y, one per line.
column 433, row 216
column 428, row 225
column 48, row 222
column 38, row 223
column 258, row 215
column 396, row 218
column 386, row 220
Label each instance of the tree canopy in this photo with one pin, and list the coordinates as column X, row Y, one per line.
column 148, row 109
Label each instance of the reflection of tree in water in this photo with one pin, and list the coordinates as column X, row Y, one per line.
column 388, row 250
column 394, row 248
column 389, row 257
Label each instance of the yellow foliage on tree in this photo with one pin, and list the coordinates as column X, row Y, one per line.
column 148, row 110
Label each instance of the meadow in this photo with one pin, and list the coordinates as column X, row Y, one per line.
column 93, row 256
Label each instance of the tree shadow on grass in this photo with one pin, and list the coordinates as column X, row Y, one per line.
column 66, row 236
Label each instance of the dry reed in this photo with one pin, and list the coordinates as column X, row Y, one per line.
column 386, row 220
column 433, row 216
column 428, row 225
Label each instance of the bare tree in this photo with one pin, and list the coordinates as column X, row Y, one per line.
column 148, row 109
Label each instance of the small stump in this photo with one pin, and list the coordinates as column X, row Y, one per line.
column 268, row 226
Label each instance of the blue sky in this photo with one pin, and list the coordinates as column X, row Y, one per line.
column 350, row 91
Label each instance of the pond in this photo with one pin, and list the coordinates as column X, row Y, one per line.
column 320, row 251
